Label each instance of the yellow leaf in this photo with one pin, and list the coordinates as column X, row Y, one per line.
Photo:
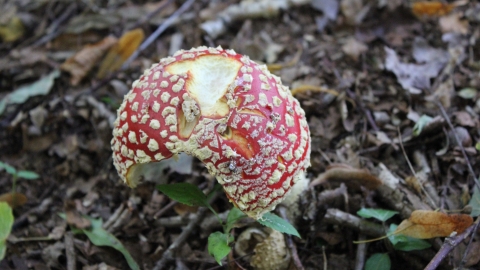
column 126, row 45
column 434, row 8
column 13, row 30
column 424, row 224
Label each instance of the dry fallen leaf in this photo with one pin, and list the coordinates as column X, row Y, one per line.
column 14, row 199
column 353, row 11
column 83, row 61
column 414, row 183
column 444, row 93
column 424, row 224
column 434, row 8
column 74, row 217
column 352, row 177
column 37, row 143
column 473, row 257
column 354, row 48
column 125, row 46
column 415, row 77
column 453, row 23
column 183, row 209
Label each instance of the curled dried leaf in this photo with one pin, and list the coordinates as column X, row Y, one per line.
column 353, row 178
column 14, row 199
column 424, row 224
column 125, row 46
column 84, row 60
column 74, row 217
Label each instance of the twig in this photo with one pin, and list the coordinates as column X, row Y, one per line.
column 164, row 209
column 469, row 244
column 335, row 216
column 38, row 210
column 361, row 251
column 179, row 241
column 56, row 26
column 113, row 217
column 459, row 142
column 293, row 249
column 151, row 14
column 122, row 219
column 326, row 197
column 362, row 108
column 449, row 244
column 402, row 200
column 291, row 245
column 157, row 33
column 70, row 252
column 325, row 259
column 168, row 254
column 432, row 202
column 230, row 262
column 174, row 221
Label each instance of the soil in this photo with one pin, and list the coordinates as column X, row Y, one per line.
column 390, row 91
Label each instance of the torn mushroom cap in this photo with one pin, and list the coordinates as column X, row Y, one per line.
column 227, row 111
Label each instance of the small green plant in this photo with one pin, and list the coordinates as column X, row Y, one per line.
column 6, row 217
column 101, row 237
column 16, row 174
column 6, row 213
column 399, row 242
column 421, row 123
column 219, row 243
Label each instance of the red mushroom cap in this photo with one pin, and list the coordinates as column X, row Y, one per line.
column 227, row 111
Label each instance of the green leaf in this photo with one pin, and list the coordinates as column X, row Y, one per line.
column 218, row 245
column 6, row 217
column 421, row 123
column 277, row 223
column 185, row 193
column 188, row 194
column 467, row 93
column 9, row 169
column 233, row 216
column 405, row 243
column 475, row 202
column 380, row 214
column 40, row 87
column 27, row 175
column 378, row 261
column 100, row 237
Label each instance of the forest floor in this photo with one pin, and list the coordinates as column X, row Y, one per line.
column 390, row 90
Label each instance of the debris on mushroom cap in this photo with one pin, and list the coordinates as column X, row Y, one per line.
column 227, row 111
column 272, row 253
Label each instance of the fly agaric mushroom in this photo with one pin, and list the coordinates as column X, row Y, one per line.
column 224, row 109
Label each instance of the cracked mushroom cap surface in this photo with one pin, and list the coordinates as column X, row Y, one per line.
column 224, row 109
